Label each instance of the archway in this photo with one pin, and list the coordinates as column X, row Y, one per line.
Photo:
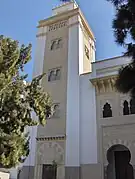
column 119, row 166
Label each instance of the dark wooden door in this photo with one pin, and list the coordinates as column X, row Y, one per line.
column 49, row 172
column 123, row 169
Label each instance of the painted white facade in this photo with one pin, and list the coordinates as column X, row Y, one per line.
column 86, row 143
column 88, row 124
column 89, row 135
column 108, row 66
column 73, row 99
column 4, row 175
column 81, row 106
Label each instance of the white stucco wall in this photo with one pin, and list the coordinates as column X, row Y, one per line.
column 81, row 108
column 4, row 175
column 13, row 173
column 108, row 66
column 117, row 129
column 73, row 118
column 88, row 125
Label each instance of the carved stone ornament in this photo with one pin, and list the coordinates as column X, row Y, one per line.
column 49, row 152
column 105, row 84
column 58, row 25
column 114, row 142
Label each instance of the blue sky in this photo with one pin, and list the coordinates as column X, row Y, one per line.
column 19, row 18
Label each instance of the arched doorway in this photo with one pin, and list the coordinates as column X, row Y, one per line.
column 119, row 166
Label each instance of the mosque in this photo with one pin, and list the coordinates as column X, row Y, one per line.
column 92, row 132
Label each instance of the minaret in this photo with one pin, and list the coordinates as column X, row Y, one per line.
column 65, row 51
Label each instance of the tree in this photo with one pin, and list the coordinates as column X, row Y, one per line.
column 124, row 31
column 18, row 100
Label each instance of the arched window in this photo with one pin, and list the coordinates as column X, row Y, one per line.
column 51, row 76
column 132, row 106
column 54, row 45
column 59, row 43
column 57, row 74
column 107, row 111
column 125, row 108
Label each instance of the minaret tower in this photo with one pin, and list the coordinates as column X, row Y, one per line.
column 65, row 51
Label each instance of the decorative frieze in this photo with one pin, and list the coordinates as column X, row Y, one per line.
column 56, row 138
column 49, row 151
column 57, row 26
column 105, row 84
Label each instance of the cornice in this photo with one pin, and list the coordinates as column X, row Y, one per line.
column 104, row 84
column 58, row 17
column 111, row 69
column 53, row 138
column 112, row 58
column 65, row 16
column 86, row 25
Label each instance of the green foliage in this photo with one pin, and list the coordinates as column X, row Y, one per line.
column 124, row 31
column 126, row 80
column 13, row 149
column 18, row 100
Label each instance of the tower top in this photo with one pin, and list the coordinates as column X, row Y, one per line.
column 65, row 6
column 66, row 10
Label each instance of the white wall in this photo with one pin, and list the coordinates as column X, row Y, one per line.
column 13, row 173
column 88, row 125
column 4, row 175
column 73, row 118
column 108, row 67
column 81, row 129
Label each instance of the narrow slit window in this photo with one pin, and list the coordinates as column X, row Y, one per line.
column 126, row 110
column 51, row 76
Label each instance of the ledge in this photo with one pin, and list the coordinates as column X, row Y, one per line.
column 104, row 84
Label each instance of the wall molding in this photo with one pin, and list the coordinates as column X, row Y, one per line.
column 52, row 138
column 104, row 84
